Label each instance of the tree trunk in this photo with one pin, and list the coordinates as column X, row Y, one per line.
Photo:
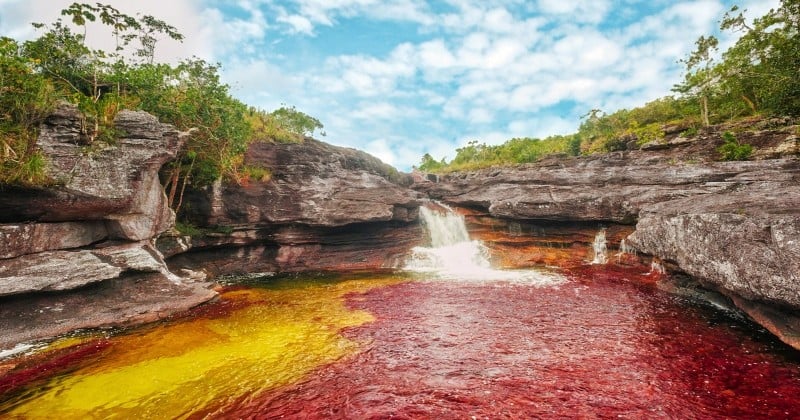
column 173, row 184
column 183, row 186
column 704, row 111
column 749, row 103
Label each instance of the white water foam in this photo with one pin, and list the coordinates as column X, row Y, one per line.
column 599, row 248
column 19, row 348
column 454, row 256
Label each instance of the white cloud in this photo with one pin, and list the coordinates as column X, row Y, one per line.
column 467, row 69
column 298, row 24
column 381, row 149
column 580, row 10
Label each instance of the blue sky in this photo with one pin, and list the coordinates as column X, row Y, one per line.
column 400, row 78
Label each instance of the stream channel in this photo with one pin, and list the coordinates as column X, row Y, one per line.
column 448, row 337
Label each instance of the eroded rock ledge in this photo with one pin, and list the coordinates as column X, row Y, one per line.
column 92, row 230
column 734, row 227
column 324, row 208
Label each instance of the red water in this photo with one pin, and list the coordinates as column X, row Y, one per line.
column 595, row 347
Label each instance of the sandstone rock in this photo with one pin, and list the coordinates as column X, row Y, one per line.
column 115, row 182
column 57, row 270
column 297, row 248
column 89, row 236
column 29, row 238
column 63, row 270
column 744, row 243
column 312, row 183
column 613, row 187
column 787, row 148
column 133, row 299
column 530, row 243
column 325, row 208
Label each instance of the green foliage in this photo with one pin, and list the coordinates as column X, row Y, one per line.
column 690, row 132
column 477, row 155
column 26, row 98
column 58, row 65
column 649, row 133
column 429, row 164
column 296, row 122
column 266, row 127
column 700, row 74
column 601, row 133
column 732, row 149
column 256, row 173
column 187, row 228
column 757, row 75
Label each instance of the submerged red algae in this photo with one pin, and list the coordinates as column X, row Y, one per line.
column 597, row 346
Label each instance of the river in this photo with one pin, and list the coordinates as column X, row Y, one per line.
column 596, row 342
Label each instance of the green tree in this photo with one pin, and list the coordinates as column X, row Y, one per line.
column 700, row 76
column 429, row 164
column 297, row 122
column 763, row 67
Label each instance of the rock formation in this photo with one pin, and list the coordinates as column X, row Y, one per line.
column 732, row 226
column 90, row 250
column 96, row 224
column 324, row 208
column 746, row 244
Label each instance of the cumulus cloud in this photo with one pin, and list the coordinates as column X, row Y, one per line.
column 441, row 73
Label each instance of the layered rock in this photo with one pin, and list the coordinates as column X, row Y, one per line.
column 95, row 224
column 732, row 226
column 612, row 188
column 323, row 208
column 745, row 244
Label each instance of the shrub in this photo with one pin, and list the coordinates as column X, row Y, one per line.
column 732, row 149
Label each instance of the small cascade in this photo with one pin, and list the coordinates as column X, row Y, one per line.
column 656, row 267
column 445, row 228
column 451, row 249
column 599, row 248
column 453, row 255
column 624, row 249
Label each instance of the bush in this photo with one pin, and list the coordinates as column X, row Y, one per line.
column 732, row 149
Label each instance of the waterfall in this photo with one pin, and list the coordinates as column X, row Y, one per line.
column 451, row 251
column 599, row 248
column 453, row 255
column 656, row 267
column 624, row 249
column 445, row 227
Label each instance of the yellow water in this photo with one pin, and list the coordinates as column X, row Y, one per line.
column 278, row 335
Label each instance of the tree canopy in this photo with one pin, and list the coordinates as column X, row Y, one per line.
column 59, row 65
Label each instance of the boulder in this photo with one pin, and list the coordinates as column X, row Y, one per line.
column 324, row 208
column 64, row 270
column 744, row 243
column 312, row 183
column 612, row 187
column 30, row 238
column 116, row 182
column 120, row 302
column 79, row 253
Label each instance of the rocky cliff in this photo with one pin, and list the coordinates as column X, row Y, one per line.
column 734, row 227
column 323, row 208
column 93, row 230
